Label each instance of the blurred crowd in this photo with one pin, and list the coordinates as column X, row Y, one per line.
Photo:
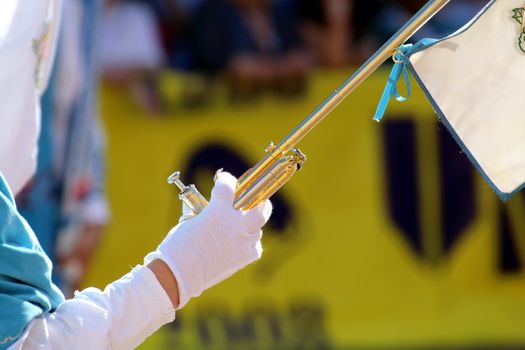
column 250, row 46
column 253, row 45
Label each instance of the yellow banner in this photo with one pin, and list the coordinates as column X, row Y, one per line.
column 386, row 237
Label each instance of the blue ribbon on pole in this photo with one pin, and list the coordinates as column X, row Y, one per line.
column 401, row 59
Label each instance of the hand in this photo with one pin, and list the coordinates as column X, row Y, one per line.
column 215, row 244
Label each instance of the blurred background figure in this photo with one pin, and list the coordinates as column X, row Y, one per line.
column 175, row 19
column 66, row 202
column 130, row 51
column 341, row 32
column 327, row 29
column 255, row 42
column 393, row 15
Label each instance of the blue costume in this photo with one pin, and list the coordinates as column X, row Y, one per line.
column 26, row 290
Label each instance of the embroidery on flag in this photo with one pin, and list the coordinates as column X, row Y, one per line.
column 518, row 17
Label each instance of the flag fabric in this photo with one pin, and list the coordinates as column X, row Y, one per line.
column 475, row 80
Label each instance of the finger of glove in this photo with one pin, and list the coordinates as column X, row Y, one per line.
column 255, row 218
column 224, row 189
column 251, row 248
column 257, row 251
column 255, row 235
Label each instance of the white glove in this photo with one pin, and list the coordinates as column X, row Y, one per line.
column 215, row 244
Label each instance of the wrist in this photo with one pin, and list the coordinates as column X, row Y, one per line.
column 166, row 279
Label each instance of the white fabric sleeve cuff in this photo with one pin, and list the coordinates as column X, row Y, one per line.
column 120, row 317
column 126, row 299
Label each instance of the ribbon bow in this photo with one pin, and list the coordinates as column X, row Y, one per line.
column 401, row 59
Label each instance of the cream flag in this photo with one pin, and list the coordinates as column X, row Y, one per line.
column 475, row 80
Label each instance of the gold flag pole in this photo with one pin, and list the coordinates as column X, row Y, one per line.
column 282, row 160
column 372, row 64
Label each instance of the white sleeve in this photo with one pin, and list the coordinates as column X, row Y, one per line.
column 120, row 317
column 27, row 44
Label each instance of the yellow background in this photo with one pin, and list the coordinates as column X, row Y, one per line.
column 345, row 262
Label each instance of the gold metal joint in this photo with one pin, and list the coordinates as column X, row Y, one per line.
column 270, row 148
column 298, row 156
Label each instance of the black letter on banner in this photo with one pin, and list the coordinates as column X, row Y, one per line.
column 454, row 202
column 512, row 235
column 308, row 325
column 262, row 326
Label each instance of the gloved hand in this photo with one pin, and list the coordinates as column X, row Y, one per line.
column 216, row 243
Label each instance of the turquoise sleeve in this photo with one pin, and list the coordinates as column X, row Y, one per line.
column 26, row 290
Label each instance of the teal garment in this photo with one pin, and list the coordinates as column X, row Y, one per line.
column 39, row 203
column 26, row 290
